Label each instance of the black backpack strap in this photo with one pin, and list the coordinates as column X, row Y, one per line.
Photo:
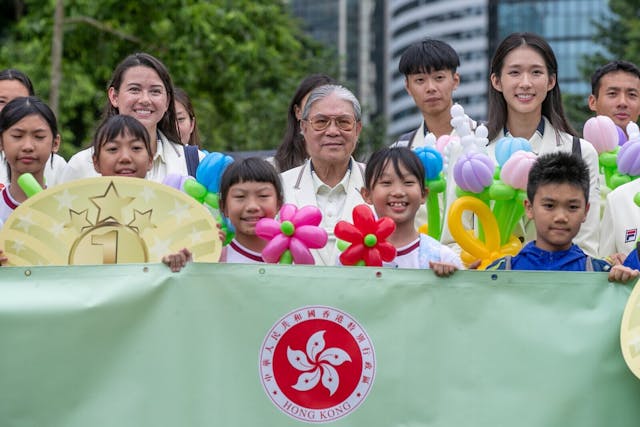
column 576, row 150
column 191, row 156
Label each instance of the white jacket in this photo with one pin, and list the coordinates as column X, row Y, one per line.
column 52, row 171
column 620, row 221
column 554, row 141
column 298, row 188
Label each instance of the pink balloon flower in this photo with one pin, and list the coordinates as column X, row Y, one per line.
column 291, row 237
column 601, row 132
column 515, row 171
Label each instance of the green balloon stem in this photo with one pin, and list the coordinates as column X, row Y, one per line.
column 286, row 257
column 287, row 228
column 29, row 184
column 370, row 240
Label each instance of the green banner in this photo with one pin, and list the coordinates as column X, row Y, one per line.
column 270, row 345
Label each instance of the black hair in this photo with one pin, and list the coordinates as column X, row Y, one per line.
column 610, row 67
column 551, row 106
column 12, row 74
column 24, row 106
column 168, row 124
column 251, row 169
column 558, row 168
column 427, row 56
column 397, row 156
column 183, row 98
column 292, row 152
column 116, row 126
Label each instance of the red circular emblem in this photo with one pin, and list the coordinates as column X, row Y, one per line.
column 317, row 364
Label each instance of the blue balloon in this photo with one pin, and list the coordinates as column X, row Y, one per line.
column 508, row 145
column 210, row 170
column 431, row 160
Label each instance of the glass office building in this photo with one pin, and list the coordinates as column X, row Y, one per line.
column 462, row 24
column 354, row 28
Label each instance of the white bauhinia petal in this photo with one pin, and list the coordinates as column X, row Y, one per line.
column 330, row 378
column 299, row 360
column 315, row 345
column 308, row 380
column 335, row 356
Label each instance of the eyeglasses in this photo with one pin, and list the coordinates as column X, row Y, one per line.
column 321, row 122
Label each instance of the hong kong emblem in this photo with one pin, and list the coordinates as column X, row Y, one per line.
column 317, row 364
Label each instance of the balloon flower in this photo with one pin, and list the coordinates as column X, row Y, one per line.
column 474, row 248
column 511, row 191
column 366, row 238
column 473, row 172
column 601, row 132
column 206, row 186
column 291, row 237
column 622, row 137
column 507, row 146
column 209, row 175
column 434, row 181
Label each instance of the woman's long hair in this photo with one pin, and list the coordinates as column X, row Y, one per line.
column 551, row 106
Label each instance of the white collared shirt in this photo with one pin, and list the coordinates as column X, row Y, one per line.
column 331, row 201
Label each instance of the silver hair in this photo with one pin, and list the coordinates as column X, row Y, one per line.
column 341, row 92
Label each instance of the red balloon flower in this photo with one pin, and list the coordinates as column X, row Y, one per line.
column 367, row 238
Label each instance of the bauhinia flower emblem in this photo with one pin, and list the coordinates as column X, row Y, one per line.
column 317, row 364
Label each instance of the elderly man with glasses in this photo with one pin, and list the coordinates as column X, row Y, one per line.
column 330, row 179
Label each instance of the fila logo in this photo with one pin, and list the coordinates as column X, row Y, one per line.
column 630, row 235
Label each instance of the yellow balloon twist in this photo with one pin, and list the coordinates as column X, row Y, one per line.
column 473, row 248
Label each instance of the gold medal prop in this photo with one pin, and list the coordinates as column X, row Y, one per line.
column 108, row 220
column 630, row 332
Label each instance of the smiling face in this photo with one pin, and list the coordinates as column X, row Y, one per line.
column 124, row 155
column 141, row 95
column 27, row 146
column 618, row 97
column 558, row 211
column 246, row 203
column 185, row 123
column 524, row 81
column 11, row 89
column 397, row 196
column 330, row 146
column 432, row 92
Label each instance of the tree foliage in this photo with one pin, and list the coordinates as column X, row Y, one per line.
column 239, row 60
column 618, row 35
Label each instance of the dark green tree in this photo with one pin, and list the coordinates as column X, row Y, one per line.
column 619, row 37
column 239, row 60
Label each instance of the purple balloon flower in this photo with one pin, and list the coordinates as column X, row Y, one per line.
column 629, row 158
column 622, row 137
column 474, row 171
